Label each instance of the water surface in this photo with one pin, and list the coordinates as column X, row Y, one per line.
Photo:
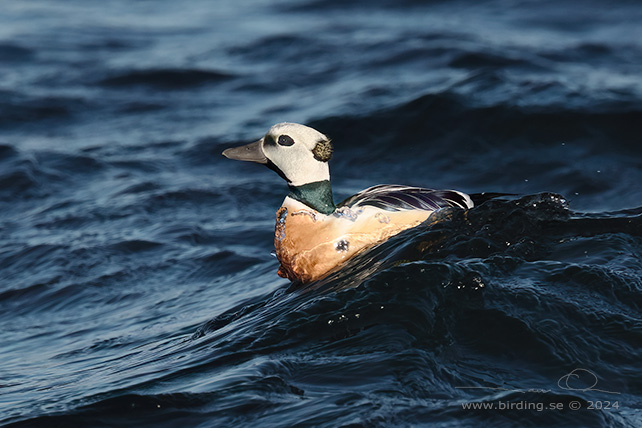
column 137, row 285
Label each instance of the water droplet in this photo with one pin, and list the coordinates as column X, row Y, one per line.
column 281, row 217
column 311, row 214
column 342, row 246
column 382, row 218
column 347, row 213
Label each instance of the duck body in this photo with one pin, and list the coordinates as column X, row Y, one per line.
column 313, row 237
column 310, row 244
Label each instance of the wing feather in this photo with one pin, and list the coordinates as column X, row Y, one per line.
column 400, row 198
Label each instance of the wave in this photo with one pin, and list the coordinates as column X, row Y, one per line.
column 450, row 304
column 138, row 285
column 454, row 258
column 433, row 116
column 10, row 52
column 165, row 78
column 18, row 109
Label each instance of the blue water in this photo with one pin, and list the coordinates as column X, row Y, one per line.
column 137, row 284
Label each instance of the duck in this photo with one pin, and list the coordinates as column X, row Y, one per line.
column 313, row 236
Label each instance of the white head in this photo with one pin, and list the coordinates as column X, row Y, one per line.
column 296, row 152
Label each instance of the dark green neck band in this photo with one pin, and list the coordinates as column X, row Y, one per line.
column 317, row 195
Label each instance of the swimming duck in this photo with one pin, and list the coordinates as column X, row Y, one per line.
column 313, row 236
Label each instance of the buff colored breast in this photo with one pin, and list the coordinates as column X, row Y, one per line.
column 310, row 245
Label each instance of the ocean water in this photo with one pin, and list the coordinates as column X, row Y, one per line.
column 137, row 281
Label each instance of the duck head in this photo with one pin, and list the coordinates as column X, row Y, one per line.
column 298, row 153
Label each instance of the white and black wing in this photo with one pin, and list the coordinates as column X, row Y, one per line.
column 399, row 198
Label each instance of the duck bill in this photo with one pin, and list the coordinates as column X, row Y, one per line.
column 250, row 153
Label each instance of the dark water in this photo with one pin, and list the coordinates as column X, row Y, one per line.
column 137, row 285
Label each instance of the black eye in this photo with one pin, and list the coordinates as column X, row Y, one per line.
column 285, row 140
